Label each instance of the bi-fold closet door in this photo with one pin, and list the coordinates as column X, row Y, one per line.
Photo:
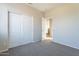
column 20, row 29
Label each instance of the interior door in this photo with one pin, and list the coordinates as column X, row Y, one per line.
column 20, row 29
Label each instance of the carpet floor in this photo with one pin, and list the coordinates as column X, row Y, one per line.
column 44, row 48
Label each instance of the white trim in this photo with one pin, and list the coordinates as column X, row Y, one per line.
column 32, row 29
column 8, row 30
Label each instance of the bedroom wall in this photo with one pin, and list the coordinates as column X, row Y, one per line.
column 16, row 8
column 37, row 29
column 3, row 29
column 65, row 24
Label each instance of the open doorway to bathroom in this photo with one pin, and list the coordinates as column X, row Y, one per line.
column 46, row 29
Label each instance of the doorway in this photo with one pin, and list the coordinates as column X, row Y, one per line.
column 47, row 29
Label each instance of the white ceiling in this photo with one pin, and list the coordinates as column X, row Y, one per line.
column 44, row 6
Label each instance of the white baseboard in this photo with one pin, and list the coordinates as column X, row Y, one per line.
column 66, row 45
column 3, row 50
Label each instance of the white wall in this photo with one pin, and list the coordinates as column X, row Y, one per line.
column 37, row 28
column 65, row 24
column 16, row 8
column 3, row 29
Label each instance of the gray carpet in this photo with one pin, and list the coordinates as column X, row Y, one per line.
column 44, row 48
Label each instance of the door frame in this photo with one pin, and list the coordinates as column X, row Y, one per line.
column 47, row 18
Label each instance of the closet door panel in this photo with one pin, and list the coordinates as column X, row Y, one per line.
column 16, row 29
column 20, row 29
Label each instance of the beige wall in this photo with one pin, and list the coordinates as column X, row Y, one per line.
column 23, row 9
column 65, row 24
column 16, row 8
column 62, row 10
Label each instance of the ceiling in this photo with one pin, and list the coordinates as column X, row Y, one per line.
column 44, row 6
